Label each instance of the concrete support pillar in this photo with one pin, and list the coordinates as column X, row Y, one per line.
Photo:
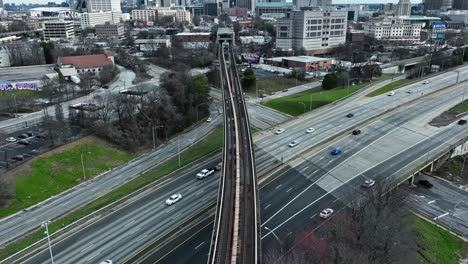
column 432, row 167
column 411, row 181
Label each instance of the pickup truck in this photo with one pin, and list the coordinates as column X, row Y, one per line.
column 205, row 173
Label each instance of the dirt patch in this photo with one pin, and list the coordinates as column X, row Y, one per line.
column 448, row 117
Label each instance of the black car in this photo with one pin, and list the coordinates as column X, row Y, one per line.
column 30, row 133
column 24, row 142
column 349, row 115
column 461, row 121
column 356, row 132
column 39, row 136
column 425, row 183
column 18, row 158
column 23, row 136
column 25, row 155
column 285, row 90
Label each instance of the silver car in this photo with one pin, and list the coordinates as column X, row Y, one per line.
column 174, row 199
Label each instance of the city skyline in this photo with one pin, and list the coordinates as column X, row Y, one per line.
column 334, row 1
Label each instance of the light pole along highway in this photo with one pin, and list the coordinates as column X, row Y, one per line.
column 236, row 229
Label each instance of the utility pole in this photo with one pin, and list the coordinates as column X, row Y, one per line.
column 178, row 149
column 16, row 106
column 45, row 224
column 154, row 141
column 82, row 166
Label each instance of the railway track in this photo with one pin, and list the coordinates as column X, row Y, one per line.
column 235, row 235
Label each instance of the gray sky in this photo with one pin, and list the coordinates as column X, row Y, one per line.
column 334, row 1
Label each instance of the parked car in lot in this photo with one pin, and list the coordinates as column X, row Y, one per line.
column 356, row 132
column 461, row 121
column 279, row 131
column 24, row 142
column 23, row 136
column 349, row 115
column 10, row 139
column 310, row 130
column 293, row 143
column 336, row 151
column 326, row 213
column 18, row 158
column 173, row 199
column 425, row 183
column 368, row 183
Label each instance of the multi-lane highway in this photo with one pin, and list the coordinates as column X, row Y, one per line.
column 271, row 149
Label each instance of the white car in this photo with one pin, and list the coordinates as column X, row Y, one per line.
column 425, row 82
column 208, row 120
column 326, row 213
column 204, row 173
column 173, row 199
column 293, row 143
column 368, row 183
column 310, row 130
column 391, row 93
column 106, row 262
column 11, row 139
column 409, row 91
column 279, row 131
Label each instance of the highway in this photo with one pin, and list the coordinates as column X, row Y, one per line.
column 327, row 125
column 387, row 150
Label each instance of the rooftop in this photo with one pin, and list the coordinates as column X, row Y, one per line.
column 417, row 18
column 193, row 34
column 274, row 4
column 87, row 61
column 304, row 59
column 26, row 73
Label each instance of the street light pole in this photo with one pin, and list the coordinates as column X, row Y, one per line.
column 154, row 141
column 178, row 149
column 82, row 166
column 302, row 105
column 16, row 106
column 45, row 224
column 273, row 233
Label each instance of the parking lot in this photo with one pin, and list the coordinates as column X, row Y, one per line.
column 445, row 203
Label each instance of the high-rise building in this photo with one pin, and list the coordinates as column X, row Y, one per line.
column 403, row 8
column 1, row 5
column 298, row 4
column 56, row 30
column 90, row 20
column 144, row 14
column 248, row 4
column 460, row 5
column 393, row 29
column 437, row 5
column 103, row 5
column 313, row 31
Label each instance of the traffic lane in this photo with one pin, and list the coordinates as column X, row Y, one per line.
column 444, row 203
column 105, row 229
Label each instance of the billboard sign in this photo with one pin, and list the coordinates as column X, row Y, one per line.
column 250, row 57
column 8, row 86
column 438, row 26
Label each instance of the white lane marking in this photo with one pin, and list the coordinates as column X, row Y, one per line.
column 201, row 244
column 175, row 216
column 313, row 216
column 430, row 202
column 421, row 196
column 129, row 223
column 304, row 169
column 190, row 188
column 335, row 200
column 198, row 193
column 86, row 248
column 135, row 230
column 142, row 237
column 93, row 256
column 330, row 161
column 267, row 206
column 170, row 210
column 278, row 186
column 289, row 189
column 440, row 216
column 289, row 234
column 321, row 158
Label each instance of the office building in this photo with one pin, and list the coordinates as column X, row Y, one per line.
column 57, row 30
column 298, row 4
column 109, row 30
column 460, row 4
column 403, row 8
column 313, row 31
column 393, row 29
column 280, row 9
column 248, row 4
column 178, row 14
column 436, row 5
column 90, row 20
column 103, row 5
column 144, row 14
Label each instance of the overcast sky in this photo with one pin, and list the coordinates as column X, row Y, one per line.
column 334, row 1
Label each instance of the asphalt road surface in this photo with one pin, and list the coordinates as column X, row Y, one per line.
column 316, row 181
column 445, row 203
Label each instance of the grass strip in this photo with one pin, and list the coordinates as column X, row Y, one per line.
column 436, row 245
column 50, row 175
column 211, row 143
column 303, row 102
column 275, row 84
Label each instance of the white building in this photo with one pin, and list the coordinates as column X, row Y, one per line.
column 144, row 14
column 4, row 57
column 393, row 29
column 178, row 14
column 252, row 39
column 298, row 4
column 314, row 31
column 403, row 8
column 103, row 5
column 90, row 20
column 56, row 30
